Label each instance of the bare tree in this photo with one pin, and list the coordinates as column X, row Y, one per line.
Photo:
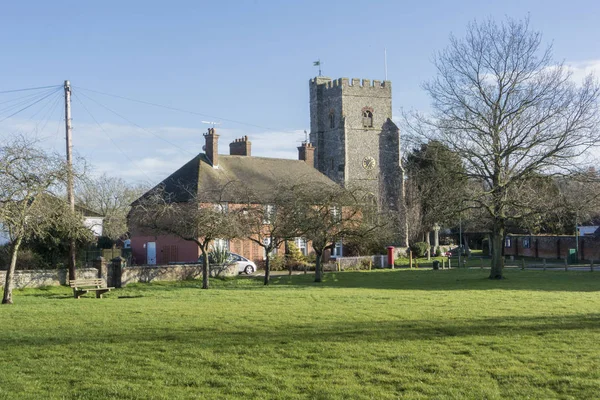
column 201, row 218
column 27, row 174
column 111, row 197
column 326, row 214
column 510, row 112
column 270, row 225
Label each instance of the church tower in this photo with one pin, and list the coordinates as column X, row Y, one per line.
column 357, row 144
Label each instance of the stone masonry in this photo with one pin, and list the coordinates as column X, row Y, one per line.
column 346, row 145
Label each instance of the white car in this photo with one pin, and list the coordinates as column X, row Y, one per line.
column 244, row 265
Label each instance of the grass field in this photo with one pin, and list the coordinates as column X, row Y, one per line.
column 378, row 335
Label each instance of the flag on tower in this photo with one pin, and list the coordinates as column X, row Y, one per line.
column 316, row 63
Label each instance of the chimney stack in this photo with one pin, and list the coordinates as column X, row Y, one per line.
column 240, row 147
column 211, row 149
column 306, row 153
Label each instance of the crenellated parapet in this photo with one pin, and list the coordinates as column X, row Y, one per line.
column 366, row 84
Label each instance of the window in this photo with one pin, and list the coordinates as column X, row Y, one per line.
column 220, row 244
column 526, row 243
column 336, row 213
column 331, row 120
column 300, row 243
column 268, row 213
column 267, row 241
column 507, row 242
column 337, row 249
column 367, row 119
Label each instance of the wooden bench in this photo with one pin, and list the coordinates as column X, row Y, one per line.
column 82, row 286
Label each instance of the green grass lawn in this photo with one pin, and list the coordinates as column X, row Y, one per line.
column 365, row 335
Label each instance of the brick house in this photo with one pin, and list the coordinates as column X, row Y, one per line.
column 552, row 246
column 209, row 171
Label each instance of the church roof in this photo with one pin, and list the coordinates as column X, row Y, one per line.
column 238, row 179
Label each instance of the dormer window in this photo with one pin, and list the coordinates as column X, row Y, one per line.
column 367, row 118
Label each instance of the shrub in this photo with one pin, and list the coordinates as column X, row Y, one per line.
column 218, row 254
column 438, row 252
column 277, row 263
column 419, row 249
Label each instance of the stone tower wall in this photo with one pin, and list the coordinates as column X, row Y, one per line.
column 340, row 151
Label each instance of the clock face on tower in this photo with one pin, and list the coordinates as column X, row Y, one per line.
column 368, row 163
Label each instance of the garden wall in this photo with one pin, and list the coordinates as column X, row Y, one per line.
column 51, row 277
column 176, row 272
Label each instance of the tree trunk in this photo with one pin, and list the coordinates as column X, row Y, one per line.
column 403, row 207
column 205, row 266
column 497, row 245
column 267, row 267
column 318, row 266
column 72, row 259
column 428, row 241
column 7, row 299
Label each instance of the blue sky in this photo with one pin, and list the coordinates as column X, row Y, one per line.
column 247, row 61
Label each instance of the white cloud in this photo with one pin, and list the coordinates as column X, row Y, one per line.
column 145, row 154
column 581, row 69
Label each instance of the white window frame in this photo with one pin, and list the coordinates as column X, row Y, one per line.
column 338, row 249
column 302, row 245
column 269, row 211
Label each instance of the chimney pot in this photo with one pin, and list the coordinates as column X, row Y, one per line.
column 306, row 153
column 240, row 147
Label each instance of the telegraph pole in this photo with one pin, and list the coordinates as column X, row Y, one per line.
column 70, row 193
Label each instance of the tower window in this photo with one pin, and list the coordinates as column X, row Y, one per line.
column 331, row 120
column 367, row 118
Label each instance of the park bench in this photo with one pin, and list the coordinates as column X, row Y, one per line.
column 82, row 286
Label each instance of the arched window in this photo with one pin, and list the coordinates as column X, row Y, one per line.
column 367, row 118
column 331, row 120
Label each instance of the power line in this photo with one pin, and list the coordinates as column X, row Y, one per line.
column 34, row 88
column 110, row 138
column 181, row 110
column 18, row 102
column 138, row 126
column 30, row 105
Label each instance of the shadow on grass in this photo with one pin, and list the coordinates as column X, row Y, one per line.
column 327, row 332
column 455, row 279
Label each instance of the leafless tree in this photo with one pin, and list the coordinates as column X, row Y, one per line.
column 27, row 208
column 270, row 225
column 510, row 112
column 326, row 214
column 201, row 218
column 111, row 197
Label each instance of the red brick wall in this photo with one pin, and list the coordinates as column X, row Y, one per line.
column 554, row 247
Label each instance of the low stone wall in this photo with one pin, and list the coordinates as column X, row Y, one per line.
column 51, row 277
column 177, row 272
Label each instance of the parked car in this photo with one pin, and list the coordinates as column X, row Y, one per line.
column 244, row 265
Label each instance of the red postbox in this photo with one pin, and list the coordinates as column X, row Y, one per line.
column 390, row 254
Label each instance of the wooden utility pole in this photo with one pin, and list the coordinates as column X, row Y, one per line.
column 70, row 192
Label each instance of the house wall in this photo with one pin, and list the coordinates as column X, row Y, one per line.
column 168, row 249
column 556, row 247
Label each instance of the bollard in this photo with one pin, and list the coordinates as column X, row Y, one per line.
column 566, row 265
column 544, row 264
column 592, row 266
column 370, row 264
column 522, row 264
column 443, row 264
column 481, row 263
column 449, row 263
column 410, row 260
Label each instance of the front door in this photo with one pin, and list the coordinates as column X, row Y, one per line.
column 151, row 253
